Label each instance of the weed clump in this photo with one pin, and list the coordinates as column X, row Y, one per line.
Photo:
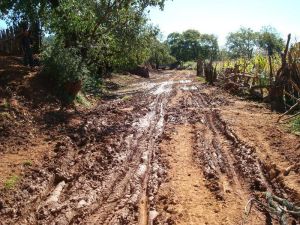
column 295, row 125
column 11, row 182
column 27, row 163
column 127, row 98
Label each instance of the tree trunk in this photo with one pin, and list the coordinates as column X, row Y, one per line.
column 199, row 68
column 210, row 73
column 271, row 70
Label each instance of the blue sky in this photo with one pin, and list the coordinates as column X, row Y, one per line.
column 220, row 17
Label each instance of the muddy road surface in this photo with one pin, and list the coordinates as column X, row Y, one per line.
column 172, row 150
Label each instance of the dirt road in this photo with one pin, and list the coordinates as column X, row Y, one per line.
column 173, row 151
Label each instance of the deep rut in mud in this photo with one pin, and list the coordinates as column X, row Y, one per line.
column 164, row 157
column 232, row 171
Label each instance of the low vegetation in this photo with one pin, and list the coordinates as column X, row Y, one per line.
column 295, row 125
column 11, row 182
column 27, row 163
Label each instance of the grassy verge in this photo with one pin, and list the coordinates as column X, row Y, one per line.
column 190, row 65
column 201, row 79
column 82, row 100
column 295, row 125
column 11, row 182
column 127, row 98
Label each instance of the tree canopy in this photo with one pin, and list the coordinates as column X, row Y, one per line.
column 242, row 43
column 98, row 35
column 192, row 45
column 270, row 40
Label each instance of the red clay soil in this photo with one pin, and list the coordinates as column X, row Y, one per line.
column 168, row 150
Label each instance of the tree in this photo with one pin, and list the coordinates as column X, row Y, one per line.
column 223, row 54
column 270, row 41
column 185, row 46
column 209, row 47
column 160, row 53
column 191, row 45
column 242, row 43
column 100, row 34
column 176, row 44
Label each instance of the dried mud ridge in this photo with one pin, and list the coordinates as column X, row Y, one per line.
column 109, row 169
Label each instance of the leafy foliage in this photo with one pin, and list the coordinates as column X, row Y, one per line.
column 245, row 42
column 64, row 64
column 242, row 43
column 270, row 41
column 295, row 125
column 191, row 45
column 160, row 53
column 90, row 38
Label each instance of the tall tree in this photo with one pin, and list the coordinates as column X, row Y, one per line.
column 209, row 46
column 191, row 45
column 176, row 43
column 95, row 35
column 242, row 43
column 270, row 40
column 160, row 53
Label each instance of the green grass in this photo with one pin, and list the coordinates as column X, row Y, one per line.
column 5, row 104
column 127, row 98
column 11, row 182
column 27, row 163
column 190, row 65
column 82, row 100
column 6, row 115
column 295, row 125
column 201, row 79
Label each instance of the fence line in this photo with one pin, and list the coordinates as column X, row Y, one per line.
column 10, row 41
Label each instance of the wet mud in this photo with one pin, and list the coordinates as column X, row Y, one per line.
column 114, row 166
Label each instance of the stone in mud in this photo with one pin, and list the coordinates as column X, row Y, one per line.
column 152, row 215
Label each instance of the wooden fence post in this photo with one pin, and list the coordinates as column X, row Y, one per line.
column 9, row 41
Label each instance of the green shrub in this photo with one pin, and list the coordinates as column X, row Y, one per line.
column 295, row 125
column 190, row 65
column 82, row 100
column 63, row 64
column 11, row 182
column 27, row 163
column 201, row 79
column 127, row 98
column 93, row 85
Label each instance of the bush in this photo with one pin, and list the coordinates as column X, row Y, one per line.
column 64, row 65
column 295, row 125
column 64, row 70
column 190, row 65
